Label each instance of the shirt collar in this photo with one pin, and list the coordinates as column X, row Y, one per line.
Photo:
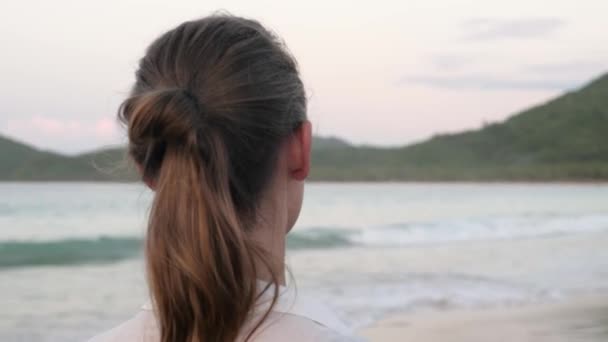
column 294, row 303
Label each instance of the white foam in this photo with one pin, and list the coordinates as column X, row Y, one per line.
column 489, row 228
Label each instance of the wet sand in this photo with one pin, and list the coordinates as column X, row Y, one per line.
column 582, row 319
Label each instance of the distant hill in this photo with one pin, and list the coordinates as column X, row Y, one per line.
column 563, row 139
column 22, row 162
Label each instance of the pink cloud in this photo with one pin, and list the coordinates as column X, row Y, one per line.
column 50, row 126
column 106, row 128
column 53, row 127
column 63, row 134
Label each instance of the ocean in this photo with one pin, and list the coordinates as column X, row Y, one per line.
column 71, row 264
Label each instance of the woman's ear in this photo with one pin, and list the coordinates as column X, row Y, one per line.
column 300, row 144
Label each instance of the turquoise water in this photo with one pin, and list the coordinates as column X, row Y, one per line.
column 70, row 259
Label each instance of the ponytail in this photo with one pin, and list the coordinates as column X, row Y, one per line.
column 200, row 261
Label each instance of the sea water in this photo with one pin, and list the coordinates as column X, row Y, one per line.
column 71, row 263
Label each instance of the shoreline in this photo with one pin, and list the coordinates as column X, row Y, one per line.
column 578, row 318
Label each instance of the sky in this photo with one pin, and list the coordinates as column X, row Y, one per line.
column 376, row 72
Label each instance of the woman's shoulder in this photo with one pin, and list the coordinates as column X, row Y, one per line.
column 302, row 318
column 294, row 318
column 294, row 328
column 278, row 326
column 141, row 328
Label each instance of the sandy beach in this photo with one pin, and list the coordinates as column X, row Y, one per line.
column 576, row 319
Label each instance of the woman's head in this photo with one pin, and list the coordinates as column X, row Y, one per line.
column 220, row 78
column 216, row 116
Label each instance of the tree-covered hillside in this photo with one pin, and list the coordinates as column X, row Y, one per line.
column 563, row 139
column 22, row 162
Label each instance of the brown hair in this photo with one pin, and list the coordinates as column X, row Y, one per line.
column 212, row 102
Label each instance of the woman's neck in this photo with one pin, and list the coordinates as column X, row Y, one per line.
column 269, row 233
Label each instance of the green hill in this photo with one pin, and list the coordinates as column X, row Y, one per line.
column 563, row 139
column 110, row 164
column 22, row 162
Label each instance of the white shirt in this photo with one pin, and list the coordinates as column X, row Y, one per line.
column 294, row 318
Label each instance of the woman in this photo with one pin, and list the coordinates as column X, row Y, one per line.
column 217, row 127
